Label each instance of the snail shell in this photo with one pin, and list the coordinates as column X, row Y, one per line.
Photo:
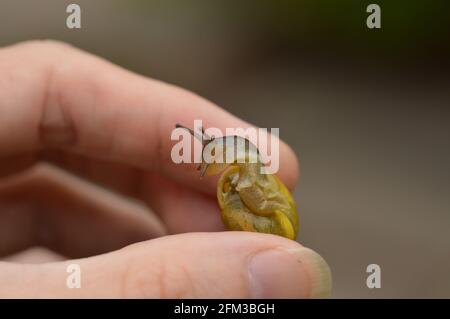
column 249, row 200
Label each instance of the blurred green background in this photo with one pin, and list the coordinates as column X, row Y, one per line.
column 367, row 111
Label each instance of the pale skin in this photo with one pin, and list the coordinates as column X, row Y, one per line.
column 80, row 140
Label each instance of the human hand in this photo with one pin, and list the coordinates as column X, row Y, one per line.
column 104, row 133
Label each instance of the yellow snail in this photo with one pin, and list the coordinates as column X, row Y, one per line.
column 249, row 200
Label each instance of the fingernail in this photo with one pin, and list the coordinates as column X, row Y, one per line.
column 293, row 273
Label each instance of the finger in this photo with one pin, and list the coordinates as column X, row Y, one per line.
column 117, row 177
column 34, row 255
column 46, row 206
column 67, row 99
column 207, row 265
column 191, row 211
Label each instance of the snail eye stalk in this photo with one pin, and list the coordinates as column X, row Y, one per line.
column 204, row 138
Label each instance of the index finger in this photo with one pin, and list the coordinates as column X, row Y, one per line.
column 54, row 96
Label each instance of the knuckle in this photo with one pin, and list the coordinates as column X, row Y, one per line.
column 56, row 125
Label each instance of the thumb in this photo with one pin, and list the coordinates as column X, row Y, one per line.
column 193, row 265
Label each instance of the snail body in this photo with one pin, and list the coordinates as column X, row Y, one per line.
column 249, row 199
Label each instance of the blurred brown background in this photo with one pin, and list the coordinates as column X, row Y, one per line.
column 367, row 111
